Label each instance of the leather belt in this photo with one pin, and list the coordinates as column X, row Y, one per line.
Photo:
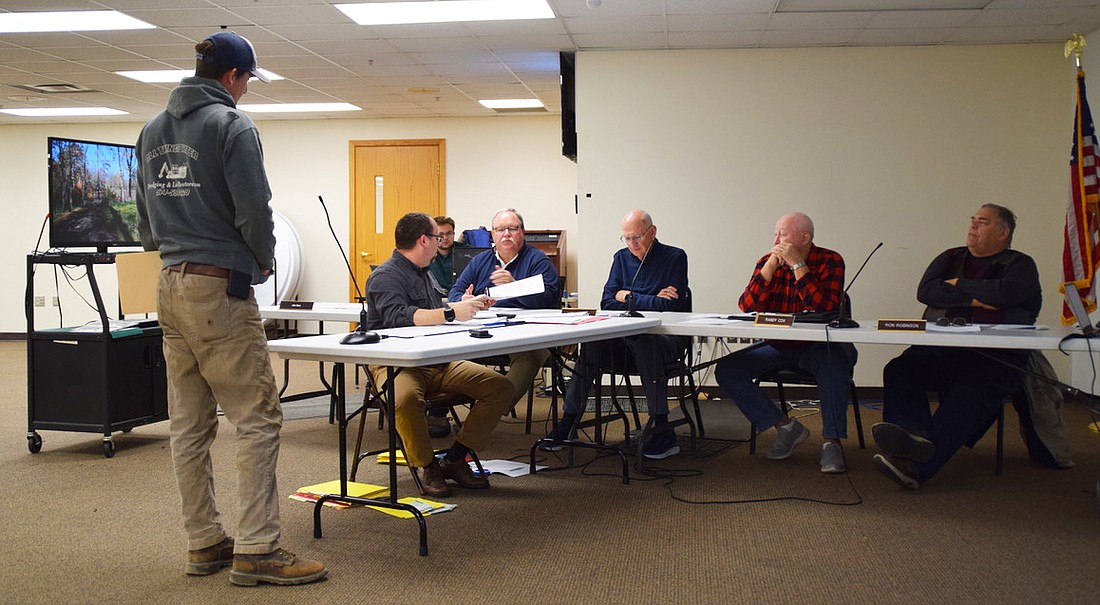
column 197, row 269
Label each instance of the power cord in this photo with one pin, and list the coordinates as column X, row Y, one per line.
column 856, row 502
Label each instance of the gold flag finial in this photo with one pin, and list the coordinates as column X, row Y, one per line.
column 1075, row 45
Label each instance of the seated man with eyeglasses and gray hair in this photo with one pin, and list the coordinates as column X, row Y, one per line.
column 646, row 275
column 511, row 260
column 984, row 281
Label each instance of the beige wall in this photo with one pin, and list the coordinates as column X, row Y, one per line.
column 898, row 145
column 491, row 163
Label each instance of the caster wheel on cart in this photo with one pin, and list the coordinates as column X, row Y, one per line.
column 108, row 448
column 34, row 443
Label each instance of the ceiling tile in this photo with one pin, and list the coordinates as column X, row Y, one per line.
column 325, row 56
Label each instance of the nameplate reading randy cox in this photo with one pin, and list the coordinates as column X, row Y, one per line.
column 901, row 325
column 775, row 320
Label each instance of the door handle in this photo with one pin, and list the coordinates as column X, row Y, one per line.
column 364, row 254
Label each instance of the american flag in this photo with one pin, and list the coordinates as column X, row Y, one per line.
column 1081, row 250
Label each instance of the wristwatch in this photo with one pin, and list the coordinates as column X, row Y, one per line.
column 797, row 266
column 448, row 313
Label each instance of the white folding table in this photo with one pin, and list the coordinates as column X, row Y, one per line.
column 439, row 344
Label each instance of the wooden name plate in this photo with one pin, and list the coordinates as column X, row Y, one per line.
column 901, row 325
column 775, row 320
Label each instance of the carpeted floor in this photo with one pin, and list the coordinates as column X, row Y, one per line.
column 718, row 526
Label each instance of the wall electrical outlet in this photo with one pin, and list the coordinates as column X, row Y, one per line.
column 40, row 301
column 56, row 301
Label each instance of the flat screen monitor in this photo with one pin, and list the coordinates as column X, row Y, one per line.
column 92, row 194
column 463, row 256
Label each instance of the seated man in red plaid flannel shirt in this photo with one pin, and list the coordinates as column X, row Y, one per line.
column 794, row 276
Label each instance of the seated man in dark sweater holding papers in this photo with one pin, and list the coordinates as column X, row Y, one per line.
column 399, row 294
column 509, row 261
column 646, row 275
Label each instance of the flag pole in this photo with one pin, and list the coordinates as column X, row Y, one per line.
column 1080, row 259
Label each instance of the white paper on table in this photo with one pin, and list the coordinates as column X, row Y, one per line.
column 557, row 318
column 523, row 287
column 932, row 327
column 708, row 320
column 416, row 331
column 508, row 468
column 113, row 324
column 336, row 306
column 1015, row 327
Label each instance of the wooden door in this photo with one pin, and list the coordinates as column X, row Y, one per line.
column 388, row 180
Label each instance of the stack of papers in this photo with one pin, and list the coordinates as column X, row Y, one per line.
column 399, row 458
column 313, row 493
column 560, row 318
column 426, row 507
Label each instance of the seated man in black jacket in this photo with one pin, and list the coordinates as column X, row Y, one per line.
column 982, row 282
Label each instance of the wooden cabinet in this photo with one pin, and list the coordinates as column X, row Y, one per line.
column 552, row 243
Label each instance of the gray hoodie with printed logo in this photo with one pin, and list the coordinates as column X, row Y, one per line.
column 202, row 190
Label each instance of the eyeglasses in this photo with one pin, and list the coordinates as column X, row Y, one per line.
column 438, row 236
column 503, row 230
column 630, row 239
column 952, row 321
column 446, row 234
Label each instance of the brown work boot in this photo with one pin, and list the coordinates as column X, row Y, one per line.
column 432, row 482
column 460, row 473
column 212, row 559
column 279, row 567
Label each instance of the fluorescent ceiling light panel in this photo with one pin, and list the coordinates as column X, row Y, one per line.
column 165, row 76
column 68, row 21
column 856, row 6
column 157, row 76
column 298, row 107
column 47, row 112
column 511, row 103
column 446, row 11
column 823, row 6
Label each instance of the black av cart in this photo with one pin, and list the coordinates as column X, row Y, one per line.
column 95, row 382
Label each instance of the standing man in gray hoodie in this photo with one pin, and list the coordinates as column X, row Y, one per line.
column 203, row 204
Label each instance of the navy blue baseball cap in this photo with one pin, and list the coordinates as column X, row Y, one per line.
column 233, row 50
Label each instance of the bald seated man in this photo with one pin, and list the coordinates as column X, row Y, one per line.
column 796, row 275
column 660, row 283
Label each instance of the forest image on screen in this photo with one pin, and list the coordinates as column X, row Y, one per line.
column 92, row 194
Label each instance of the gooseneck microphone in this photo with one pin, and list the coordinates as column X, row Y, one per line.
column 847, row 322
column 361, row 335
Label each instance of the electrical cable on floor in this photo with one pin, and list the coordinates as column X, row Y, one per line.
column 858, row 498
